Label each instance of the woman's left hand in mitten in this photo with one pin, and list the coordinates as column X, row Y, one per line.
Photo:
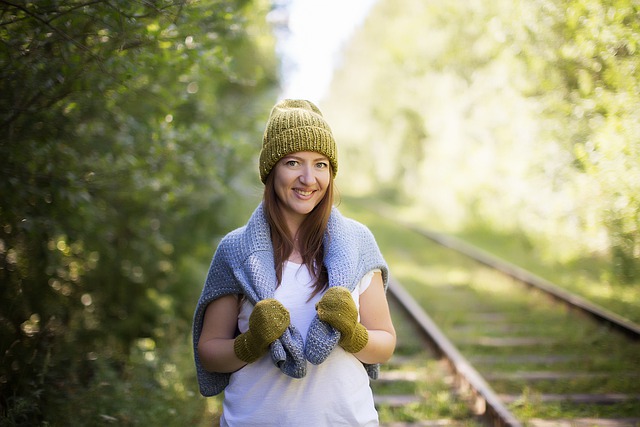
column 337, row 308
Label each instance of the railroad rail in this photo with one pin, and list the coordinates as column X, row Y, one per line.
column 486, row 402
column 601, row 314
column 627, row 327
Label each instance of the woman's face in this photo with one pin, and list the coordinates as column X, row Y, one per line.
column 301, row 180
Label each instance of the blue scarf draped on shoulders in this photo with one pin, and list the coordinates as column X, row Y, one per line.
column 244, row 264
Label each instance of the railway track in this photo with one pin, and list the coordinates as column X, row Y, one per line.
column 417, row 387
column 483, row 406
column 514, row 357
column 601, row 314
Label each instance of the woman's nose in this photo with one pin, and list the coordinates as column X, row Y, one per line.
column 306, row 175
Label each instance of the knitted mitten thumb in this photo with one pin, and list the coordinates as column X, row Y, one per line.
column 267, row 322
column 337, row 308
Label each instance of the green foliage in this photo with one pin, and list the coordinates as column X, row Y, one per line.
column 519, row 116
column 587, row 66
column 126, row 129
column 153, row 387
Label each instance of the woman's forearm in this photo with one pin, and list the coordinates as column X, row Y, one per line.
column 379, row 348
column 218, row 355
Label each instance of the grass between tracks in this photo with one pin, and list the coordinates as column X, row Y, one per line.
column 432, row 386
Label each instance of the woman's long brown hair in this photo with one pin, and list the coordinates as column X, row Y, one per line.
column 310, row 235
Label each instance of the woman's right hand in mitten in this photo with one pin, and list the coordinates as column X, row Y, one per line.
column 267, row 322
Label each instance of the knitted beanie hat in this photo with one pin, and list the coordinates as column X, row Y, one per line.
column 295, row 125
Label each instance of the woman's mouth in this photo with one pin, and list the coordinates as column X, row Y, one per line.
column 303, row 192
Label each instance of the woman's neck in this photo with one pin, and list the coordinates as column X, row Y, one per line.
column 293, row 227
column 295, row 255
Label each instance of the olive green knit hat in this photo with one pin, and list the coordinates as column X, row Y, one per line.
column 296, row 125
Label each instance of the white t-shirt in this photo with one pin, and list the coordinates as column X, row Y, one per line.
column 334, row 393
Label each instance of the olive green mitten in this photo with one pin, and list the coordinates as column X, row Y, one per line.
column 267, row 322
column 337, row 308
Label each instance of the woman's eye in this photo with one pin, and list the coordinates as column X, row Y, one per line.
column 322, row 165
column 291, row 163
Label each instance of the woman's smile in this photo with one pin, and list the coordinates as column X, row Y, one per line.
column 303, row 193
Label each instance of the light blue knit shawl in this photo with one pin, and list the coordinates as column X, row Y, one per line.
column 243, row 264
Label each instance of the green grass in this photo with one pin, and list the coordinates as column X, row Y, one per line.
column 589, row 277
column 529, row 406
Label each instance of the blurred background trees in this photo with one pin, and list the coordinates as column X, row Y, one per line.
column 523, row 117
column 127, row 128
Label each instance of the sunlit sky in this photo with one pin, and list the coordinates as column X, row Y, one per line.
column 311, row 49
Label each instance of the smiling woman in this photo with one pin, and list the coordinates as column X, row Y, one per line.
column 299, row 283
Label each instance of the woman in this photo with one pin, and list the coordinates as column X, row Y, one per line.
column 298, row 283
